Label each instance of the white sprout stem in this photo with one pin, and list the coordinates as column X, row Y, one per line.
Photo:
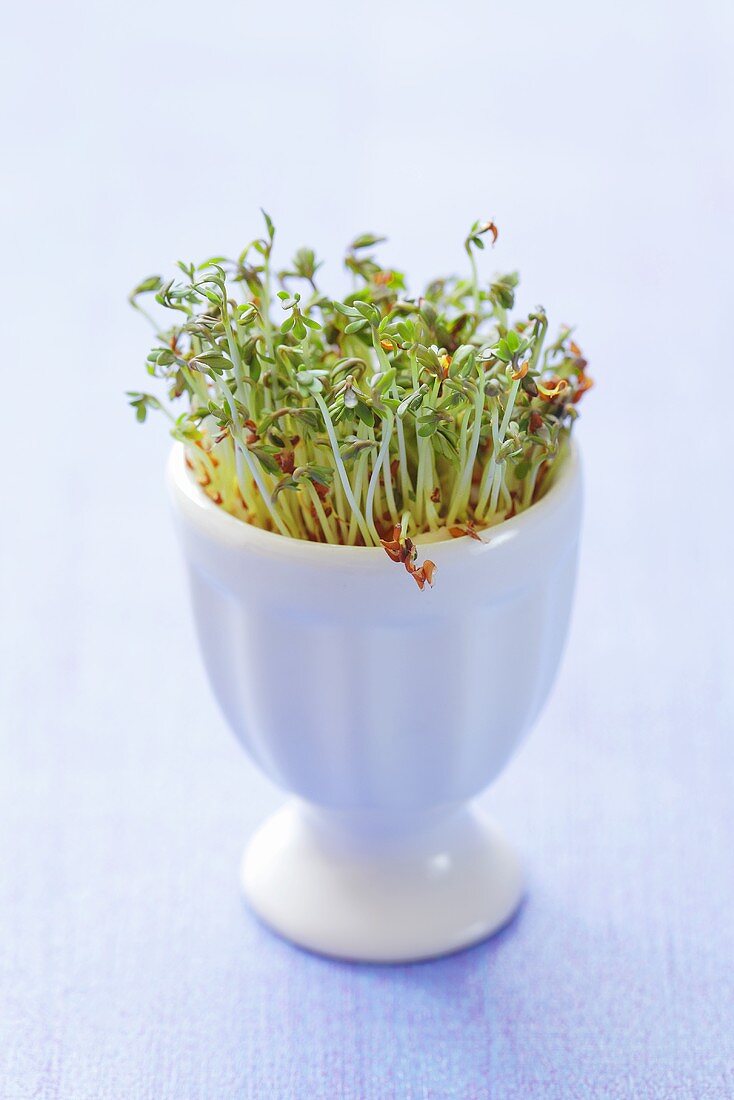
column 539, row 340
column 292, row 509
column 227, row 398
column 463, row 432
column 324, row 520
column 343, row 477
column 508, row 411
column 339, row 500
column 406, row 485
column 486, row 483
column 420, row 478
column 529, row 487
column 498, row 443
column 389, row 494
column 241, row 449
column 251, row 501
column 496, row 484
column 322, row 453
column 419, row 503
column 361, row 467
column 374, row 479
column 257, row 478
column 463, row 492
column 425, row 459
column 234, row 350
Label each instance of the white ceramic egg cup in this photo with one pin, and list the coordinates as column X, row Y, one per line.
column 384, row 711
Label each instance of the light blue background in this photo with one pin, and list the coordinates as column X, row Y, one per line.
column 600, row 139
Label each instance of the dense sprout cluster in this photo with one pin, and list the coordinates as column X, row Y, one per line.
column 359, row 421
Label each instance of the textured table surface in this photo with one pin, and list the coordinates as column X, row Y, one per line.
column 129, row 967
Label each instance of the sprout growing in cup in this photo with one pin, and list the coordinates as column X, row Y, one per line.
column 378, row 419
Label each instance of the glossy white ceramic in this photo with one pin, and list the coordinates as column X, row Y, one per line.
column 384, row 711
